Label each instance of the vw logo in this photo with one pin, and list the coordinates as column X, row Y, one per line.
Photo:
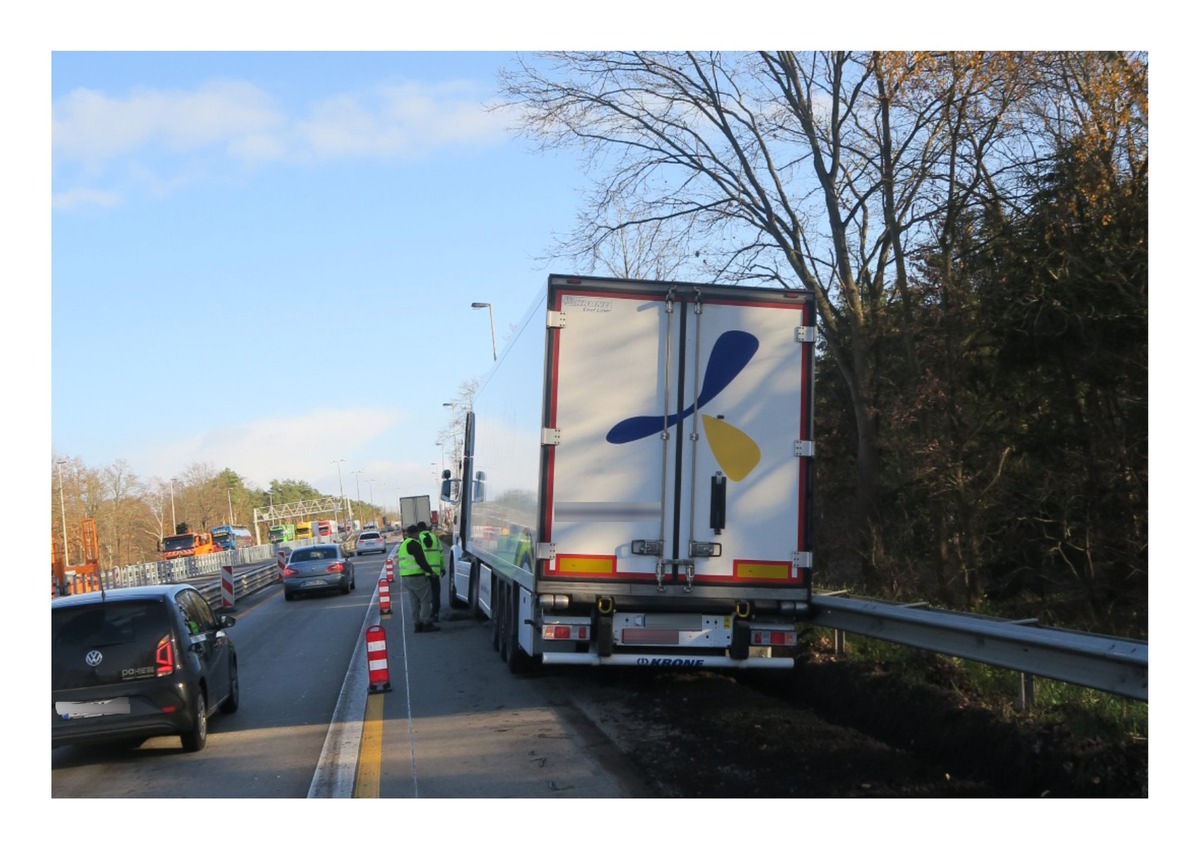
column 93, row 658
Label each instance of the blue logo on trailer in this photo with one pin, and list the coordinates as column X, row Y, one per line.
column 736, row 453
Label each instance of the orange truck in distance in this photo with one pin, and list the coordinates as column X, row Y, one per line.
column 187, row 545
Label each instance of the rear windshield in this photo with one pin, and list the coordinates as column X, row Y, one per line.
column 322, row 553
column 125, row 634
column 368, row 536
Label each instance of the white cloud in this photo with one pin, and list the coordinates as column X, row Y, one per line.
column 285, row 448
column 402, row 121
column 80, row 198
column 91, row 127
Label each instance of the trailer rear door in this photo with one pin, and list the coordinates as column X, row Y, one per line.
column 677, row 434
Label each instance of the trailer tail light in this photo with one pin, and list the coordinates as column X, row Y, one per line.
column 164, row 657
column 573, row 633
column 773, row 638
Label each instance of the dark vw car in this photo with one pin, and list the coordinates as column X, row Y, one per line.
column 139, row 662
column 316, row 568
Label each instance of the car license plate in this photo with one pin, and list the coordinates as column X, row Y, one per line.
column 99, row 707
column 316, row 582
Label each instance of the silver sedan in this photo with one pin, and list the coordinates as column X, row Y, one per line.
column 316, row 568
column 369, row 542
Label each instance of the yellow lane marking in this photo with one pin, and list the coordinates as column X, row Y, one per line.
column 370, row 753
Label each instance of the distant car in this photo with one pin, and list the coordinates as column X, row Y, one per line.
column 369, row 542
column 139, row 662
column 317, row 568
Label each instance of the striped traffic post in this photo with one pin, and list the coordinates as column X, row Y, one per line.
column 227, row 587
column 281, row 559
column 377, row 660
column 390, row 565
column 385, row 596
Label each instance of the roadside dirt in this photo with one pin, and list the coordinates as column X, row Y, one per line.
column 834, row 729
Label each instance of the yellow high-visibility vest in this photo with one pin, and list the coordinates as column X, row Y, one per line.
column 406, row 563
column 433, row 550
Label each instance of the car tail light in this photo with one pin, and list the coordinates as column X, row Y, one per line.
column 164, row 656
column 336, row 566
column 289, row 572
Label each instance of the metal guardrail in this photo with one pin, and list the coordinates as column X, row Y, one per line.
column 1109, row 664
column 244, row 584
column 203, row 572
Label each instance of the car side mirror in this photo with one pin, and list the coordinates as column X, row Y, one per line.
column 224, row 620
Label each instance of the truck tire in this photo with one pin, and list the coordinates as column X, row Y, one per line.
column 455, row 602
column 495, row 614
column 473, row 592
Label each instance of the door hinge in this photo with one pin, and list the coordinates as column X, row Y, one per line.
column 804, row 448
column 551, row 436
column 806, row 334
column 556, row 319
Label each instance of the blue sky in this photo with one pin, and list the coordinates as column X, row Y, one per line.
column 267, row 261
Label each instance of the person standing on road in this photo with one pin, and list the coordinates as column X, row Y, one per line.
column 415, row 573
column 433, row 553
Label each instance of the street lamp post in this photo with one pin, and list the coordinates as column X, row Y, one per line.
column 341, row 492
column 455, row 460
column 62, row 506
column 478, row 305
column 174, row 526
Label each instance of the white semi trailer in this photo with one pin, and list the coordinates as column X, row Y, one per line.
column 637, row 478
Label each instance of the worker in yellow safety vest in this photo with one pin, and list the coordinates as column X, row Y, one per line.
column 433, row 553
column 415, row 573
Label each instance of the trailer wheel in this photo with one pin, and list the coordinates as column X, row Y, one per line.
column 505, row 623
column 497, row 607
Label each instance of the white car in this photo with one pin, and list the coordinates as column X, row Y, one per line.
column 369, row 542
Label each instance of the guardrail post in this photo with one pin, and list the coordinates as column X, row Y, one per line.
column 1025, row 692
column 839, row 641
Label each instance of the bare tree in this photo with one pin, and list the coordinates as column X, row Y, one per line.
column 801, row 170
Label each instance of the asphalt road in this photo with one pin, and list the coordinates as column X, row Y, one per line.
column 454, row 723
